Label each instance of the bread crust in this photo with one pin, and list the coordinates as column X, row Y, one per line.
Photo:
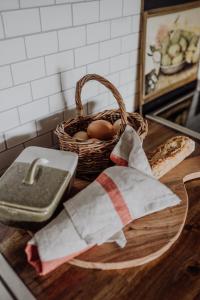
column 170, row 154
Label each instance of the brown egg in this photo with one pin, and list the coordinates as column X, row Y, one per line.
column 93, row 140
column 100, row 129
column 117, row 126
column 81, row 135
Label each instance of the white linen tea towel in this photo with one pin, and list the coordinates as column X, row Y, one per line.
column 98, row 213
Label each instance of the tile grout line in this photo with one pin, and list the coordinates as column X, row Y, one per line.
column 40, row 19
column 66, row 27
column 49, row 5
column 12, row 77
column 4, row 31
column 61, row 51
column 40, row 98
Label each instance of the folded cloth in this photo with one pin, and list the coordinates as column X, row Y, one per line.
column 98, row 213
column 129, row 152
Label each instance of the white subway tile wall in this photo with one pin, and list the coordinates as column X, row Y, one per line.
column 110, row 48
column 101, row 67
column 35, row 3
column 9, row 119
column 15, row 96
column 57, row 102
column 1, row 29
column 20, row 22
column 130, row 42
column 28, row 70
column 86, row 55
column 84, row 13
column 59, row 62
column 46, row 46
column 54, row 17
column 98, row 32
column 33, row 110
column 131, row 7
column 46, row 86
column 69, row 78
column 5, row 77
column 121, row 27
column 12, row 50
column 110, row 9
column 119, row 62
column 9, row 4
column 72, row 38
column 41, row 44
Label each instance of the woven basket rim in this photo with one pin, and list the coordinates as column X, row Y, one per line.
column 60, row 129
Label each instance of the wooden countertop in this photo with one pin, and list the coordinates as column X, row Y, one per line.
column 176, row 275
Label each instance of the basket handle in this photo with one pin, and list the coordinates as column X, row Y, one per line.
column 106, row 83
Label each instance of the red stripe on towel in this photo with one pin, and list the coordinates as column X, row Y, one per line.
column 119, row 160
column 44, row 267
column 116, row 197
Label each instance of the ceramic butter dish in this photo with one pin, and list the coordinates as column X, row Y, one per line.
column 32, row 187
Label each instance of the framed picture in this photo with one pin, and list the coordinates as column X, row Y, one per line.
column 170, row 49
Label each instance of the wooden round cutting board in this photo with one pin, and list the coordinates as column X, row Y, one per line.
column 151, row 236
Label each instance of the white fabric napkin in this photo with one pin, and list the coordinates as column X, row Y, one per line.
column 98, row 213
column 129, row 152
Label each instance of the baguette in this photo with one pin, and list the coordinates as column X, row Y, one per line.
column 168, row 155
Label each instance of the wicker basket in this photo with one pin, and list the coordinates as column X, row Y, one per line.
column 95, row 156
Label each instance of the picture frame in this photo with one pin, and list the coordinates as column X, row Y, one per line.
column 178, row 21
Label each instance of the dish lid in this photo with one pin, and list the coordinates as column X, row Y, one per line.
column 36, row 181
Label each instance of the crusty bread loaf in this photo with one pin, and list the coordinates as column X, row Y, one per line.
column 170, row 154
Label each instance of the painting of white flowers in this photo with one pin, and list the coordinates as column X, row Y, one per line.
column 171, row 49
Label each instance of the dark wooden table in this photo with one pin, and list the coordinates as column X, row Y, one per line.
column 174, row 276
